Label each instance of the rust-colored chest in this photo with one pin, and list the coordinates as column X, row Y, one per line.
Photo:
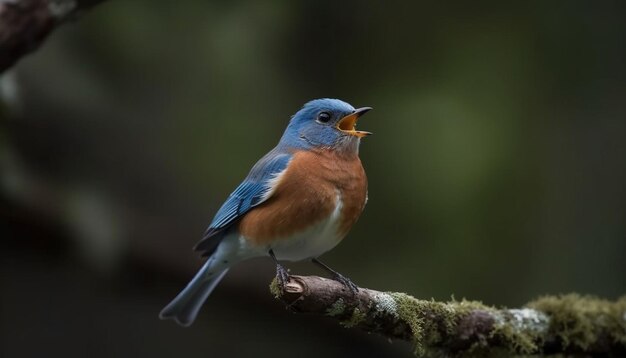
column 306, row 193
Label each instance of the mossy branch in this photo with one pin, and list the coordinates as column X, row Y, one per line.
column 569, row 324
column 24, row 24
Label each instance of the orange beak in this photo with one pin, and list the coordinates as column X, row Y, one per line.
column 347, row 124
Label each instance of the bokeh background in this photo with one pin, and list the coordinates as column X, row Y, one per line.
column 497, row 169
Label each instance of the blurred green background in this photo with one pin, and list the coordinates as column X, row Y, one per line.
column 497, row 169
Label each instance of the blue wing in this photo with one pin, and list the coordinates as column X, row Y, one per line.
column 250, row 193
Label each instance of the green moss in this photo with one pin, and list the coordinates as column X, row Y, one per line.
column 576, row 320
column 579, row 321
column 337, row 308
column 463, row 308
column 356, row 318
column 275, row 289
column 408, row 309
column 428, row 319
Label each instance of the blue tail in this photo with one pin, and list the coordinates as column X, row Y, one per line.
column 185, row 307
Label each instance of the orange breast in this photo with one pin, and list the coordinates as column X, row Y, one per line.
column 306, row 194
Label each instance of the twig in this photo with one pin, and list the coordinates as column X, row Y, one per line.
column 569, row 324
column 24, row 24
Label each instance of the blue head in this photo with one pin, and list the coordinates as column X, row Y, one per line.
column 325, row 123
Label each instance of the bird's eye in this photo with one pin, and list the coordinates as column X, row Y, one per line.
column 323, row 117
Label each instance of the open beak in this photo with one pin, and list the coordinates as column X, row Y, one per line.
column 347, row 124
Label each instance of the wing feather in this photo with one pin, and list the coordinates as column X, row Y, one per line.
column 255, row 189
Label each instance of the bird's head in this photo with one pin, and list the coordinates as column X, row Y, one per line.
column 325, row 123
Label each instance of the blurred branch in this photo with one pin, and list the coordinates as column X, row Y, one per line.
column 569, row 324
column 25, row 24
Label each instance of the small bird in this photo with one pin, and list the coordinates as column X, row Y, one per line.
column 298, row 202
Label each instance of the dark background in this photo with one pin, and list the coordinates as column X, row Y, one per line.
column 497, row 169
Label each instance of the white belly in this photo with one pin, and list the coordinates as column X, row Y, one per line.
column 313, row 242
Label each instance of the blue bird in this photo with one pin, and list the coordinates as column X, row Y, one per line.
column 298, row 202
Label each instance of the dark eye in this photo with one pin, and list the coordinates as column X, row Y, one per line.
column 323, row 117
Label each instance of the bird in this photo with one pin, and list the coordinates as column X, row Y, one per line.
column 297, row 202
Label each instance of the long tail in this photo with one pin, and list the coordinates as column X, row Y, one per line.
column 185, row 307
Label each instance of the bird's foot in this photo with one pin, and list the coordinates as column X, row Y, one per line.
column 346, row 282
column 282, row 275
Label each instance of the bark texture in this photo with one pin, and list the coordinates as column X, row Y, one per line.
column 25, row 24
column 569, row 324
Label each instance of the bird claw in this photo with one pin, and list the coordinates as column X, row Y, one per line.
column 282, row 275
column 346, row 282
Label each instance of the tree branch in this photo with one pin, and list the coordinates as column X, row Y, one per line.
column 25, row 24
column 569, row 324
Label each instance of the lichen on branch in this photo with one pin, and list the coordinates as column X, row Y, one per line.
column 569, row 324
